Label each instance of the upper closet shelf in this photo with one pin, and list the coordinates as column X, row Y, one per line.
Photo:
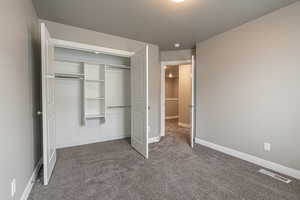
column 109, row 65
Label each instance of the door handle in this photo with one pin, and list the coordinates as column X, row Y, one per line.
column 39, row 112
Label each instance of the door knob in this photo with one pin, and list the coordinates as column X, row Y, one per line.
column 39, row 112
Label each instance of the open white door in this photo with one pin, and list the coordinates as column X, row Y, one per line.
column 139, row 101
column 48, row 109
column 192, row 106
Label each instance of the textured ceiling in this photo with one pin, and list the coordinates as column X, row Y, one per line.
column 160, row 22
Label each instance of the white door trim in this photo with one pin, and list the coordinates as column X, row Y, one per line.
column 162, row 90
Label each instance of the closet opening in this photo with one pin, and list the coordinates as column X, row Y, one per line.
column 91, row 94
column 178, row 100
column 92, row 97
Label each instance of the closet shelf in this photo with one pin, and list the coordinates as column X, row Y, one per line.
column 98, row 81
column 93, row 116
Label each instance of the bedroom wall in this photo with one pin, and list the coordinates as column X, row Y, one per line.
column 248, row 87
column 20, row 147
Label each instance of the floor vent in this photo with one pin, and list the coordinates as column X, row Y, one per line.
column 275, row 176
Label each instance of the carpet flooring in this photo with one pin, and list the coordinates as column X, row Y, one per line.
column 174, row 171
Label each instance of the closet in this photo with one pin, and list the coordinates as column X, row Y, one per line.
column 91, row 94
column 92, row 97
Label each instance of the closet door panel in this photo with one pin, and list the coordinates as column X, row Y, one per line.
column 139, row 101
column 48, row 104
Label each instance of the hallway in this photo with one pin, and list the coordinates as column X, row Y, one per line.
column 173, row 130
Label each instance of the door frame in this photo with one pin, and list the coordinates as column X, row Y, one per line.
column 162, row 89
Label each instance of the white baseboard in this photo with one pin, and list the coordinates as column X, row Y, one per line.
column 30, row 183
column 184, row 125
column 153, row 140
column 172, row 117
column 253, row 159
column 79, row 143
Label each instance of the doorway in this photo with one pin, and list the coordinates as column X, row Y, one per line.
column 177, row 111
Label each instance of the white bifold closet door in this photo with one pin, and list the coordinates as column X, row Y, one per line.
column 139, row 101
column 48, row 106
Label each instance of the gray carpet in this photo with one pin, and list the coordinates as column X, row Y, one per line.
column 114, row 171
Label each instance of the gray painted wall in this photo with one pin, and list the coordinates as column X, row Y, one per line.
column 20, row 147
column 248, row 87
column 71, row 33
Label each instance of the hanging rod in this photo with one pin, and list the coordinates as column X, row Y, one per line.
column 118, row 106
column 68, row 78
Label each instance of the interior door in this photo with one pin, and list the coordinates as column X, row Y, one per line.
column 48, row 109
column 192, row 107
column 139, row 101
